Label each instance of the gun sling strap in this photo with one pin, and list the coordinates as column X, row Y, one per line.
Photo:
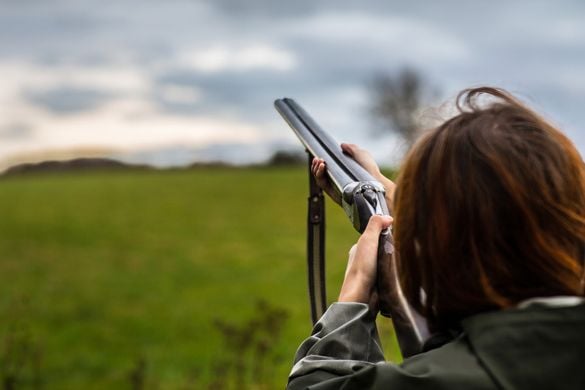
column 316, row 248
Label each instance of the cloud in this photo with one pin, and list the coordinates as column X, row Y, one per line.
column 267, row 8
column 136, row 123
column 67, row 100
column 177, row 94
column 127, row 126
column 17, row 130
column 20, row 76
column 382, row 33
column 222, row 58
column 103, row 109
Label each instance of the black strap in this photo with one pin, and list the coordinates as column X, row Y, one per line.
column 316, row 248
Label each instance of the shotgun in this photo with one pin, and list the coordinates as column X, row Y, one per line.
column 361, row 197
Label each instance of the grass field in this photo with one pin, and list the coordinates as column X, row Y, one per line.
column 145, row 279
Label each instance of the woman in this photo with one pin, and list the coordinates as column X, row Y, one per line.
column 489, row 228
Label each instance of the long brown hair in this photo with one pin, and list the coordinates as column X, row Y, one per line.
column 490, row 210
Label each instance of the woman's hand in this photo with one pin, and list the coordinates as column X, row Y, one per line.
column 365, row 159
column 318, row 169
column 359, row 284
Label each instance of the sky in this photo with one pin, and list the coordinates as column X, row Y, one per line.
column 178, row 81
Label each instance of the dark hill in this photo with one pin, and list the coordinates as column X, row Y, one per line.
column 78, row 164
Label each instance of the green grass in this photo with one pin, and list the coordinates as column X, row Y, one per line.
column 99, row 271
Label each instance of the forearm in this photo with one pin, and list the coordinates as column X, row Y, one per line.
column 389, row 186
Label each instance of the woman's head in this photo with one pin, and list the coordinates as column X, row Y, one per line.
column 490, row 210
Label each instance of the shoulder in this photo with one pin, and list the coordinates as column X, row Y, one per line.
column 536, row 347
column 452, row 366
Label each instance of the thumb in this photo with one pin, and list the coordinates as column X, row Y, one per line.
column 376, row 224
column 348, row 148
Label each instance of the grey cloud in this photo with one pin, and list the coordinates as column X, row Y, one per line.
column 35, row 28
column 251, row 94
column 67, row 99
column 16, row 131
column 264, row 8
column 245, row 97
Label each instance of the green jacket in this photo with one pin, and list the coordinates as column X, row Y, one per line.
column 536, row 347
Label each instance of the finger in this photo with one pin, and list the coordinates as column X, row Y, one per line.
column 370, row 238
column 314, row 163
column 315, row 166
column 376, row 224
column 349, row 148
column 320, row 171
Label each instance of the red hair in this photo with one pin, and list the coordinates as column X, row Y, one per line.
column 490, row 210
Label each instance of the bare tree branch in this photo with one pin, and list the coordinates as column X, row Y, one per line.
column 397, row 100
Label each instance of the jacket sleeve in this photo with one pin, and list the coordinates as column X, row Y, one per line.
column 344, row 341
